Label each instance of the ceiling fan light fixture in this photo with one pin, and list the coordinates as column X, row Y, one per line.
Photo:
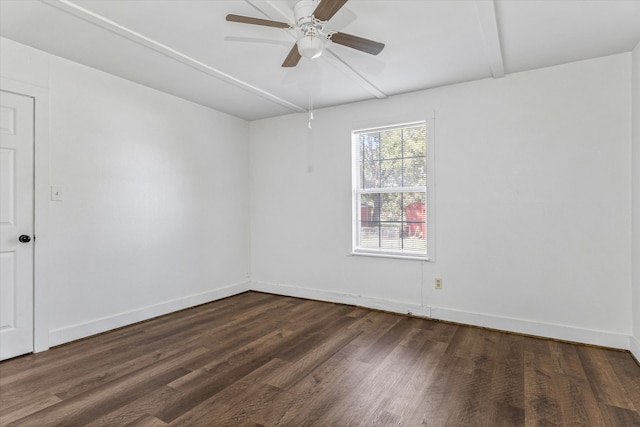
column 311, row 16
column 310, row 46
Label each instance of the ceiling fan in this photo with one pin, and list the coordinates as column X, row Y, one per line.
column 310, row 23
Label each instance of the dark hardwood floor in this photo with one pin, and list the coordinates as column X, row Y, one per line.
column 264, row 360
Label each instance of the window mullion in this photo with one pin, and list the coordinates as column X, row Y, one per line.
column 402, row 212
column 420, row 189
column 363, row 162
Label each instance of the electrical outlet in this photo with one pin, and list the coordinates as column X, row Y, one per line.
column 438, row 283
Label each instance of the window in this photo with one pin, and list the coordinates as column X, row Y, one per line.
column 390, row 191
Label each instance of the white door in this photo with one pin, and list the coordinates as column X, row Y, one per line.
column 16, row 224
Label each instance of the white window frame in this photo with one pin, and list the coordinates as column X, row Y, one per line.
column 429, row 191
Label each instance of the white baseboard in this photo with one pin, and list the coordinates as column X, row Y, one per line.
column 635, row 347
column 546, row 330
column 341, row 298
column 528, row 327
column 83, row 330
column 538, row 329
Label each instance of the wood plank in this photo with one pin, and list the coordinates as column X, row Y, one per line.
column 215, row 378
column 542, row 404
column 436, row 399
column 626, row 370
column 387, row 375
column 264, row 360
column 418, row 379
column 322, row 352
column 84, row 408
column 387, row 342
column 236, row 404
column 603, row 379
column 310, row 398
column 473, row 393
column 146, row 421
column 139, row 411
column 507, row 386
column 27, row 406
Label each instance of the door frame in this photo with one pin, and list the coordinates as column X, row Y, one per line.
column 40, row 97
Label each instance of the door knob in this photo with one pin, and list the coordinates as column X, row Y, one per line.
column 24, row 238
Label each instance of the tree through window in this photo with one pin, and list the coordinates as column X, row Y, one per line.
column 390, row 190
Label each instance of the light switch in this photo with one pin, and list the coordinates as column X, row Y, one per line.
column 57, row 193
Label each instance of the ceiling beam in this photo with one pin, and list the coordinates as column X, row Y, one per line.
column 350, row 72
column 486, row 13
column 96, row 19
column 273, row 10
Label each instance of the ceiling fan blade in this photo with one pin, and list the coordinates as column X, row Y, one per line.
column 358, row 43
column 293, row 58
column 256, row 21
column 327, row 8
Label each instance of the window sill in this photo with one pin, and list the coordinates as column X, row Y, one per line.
column 390, row 255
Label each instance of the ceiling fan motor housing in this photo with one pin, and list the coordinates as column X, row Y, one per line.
column 303, row 12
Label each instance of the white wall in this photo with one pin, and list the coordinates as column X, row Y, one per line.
column 533, row 219
column 155, row 216
column 635, row 340
column 533, row 202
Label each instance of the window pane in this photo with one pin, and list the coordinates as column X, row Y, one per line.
column 391, row 173
column 370, row 238
column 414, row 232
column 370, row 160
column 370, row 174
column 391, row 221
column 370, row 221
column 370, row 210
column 415, row 244
column 412, row 197
column 415, row 142
column 391, row 207
column 415, row 172
column 391, row 144
column 391, row 236
column 370, row 146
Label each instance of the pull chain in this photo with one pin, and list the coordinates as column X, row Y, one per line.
column 310, row 113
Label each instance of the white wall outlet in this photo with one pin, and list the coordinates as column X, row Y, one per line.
column 57, row 193
column 438, row 283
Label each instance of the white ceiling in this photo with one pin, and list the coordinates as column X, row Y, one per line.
column 186, row 48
